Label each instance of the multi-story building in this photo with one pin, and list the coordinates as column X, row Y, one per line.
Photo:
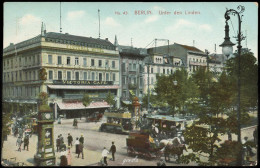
column 132, row 67
column 74, row 64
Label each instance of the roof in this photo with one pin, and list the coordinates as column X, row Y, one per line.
column 79, row 105
column 165, row 117
column 83, row 87
column 190, row 48
column 67, row 36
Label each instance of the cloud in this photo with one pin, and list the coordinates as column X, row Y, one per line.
column 158, row 8
column 182, row 23
column 205, row 27
column 151, row 19
column 109, row 21
column 29, row 19
column 75, row 15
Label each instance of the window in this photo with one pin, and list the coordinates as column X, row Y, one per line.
column 93, row 76
column 107, row 63
column 68, row 60
column 68, row 75
column 34, row 77
column 59, row 75
column 49, row 59
column 85, row 61
column 113, row 64
column 130, row 67
column 171, row 71
column 167, row 71
column 152, row 80
column 134, row 67
column 140, row 68
column 100, row 63
column 76, row 61
column 107, row 77
column 100, row 76
column 123, row 67
column 50, row 75
column 77, row 75
column 151, row 70
column 141, row 81
column 85, row 76
column 33, row 60
column 59, row 60
column 163, row 71
column 114, row 77
column 123, row 80
column 92, row 62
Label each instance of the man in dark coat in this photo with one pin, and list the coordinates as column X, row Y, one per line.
column 63, row 147
column 113, row 150
column 81, row 150
column 81, row 139
column 26, row 142
column 61, row 139
column 70, row 139
column 58, row 143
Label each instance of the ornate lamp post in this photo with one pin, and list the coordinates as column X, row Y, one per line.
column 227, row 50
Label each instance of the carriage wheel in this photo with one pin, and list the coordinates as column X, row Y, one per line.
column 148, row 155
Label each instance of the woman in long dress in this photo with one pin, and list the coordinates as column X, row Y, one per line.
column 77, row 145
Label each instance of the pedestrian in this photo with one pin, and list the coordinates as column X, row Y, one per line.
column 255, row 134
column 104, row 155
column 75, row 123
column 58, row 143
column 229, row 135
column 81, row 139
column 61, row 139
column 59, row 120
column 77, row 145
column 63, row 146
column 81, row 147
column 26, row 142
column 63, row 159
column 113, row 150
column 69, row 157
column 70, row 139
column 19, row 143
column 247, row 147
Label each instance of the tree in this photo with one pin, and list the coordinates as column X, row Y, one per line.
column 6, row 122
column 176, row 96
column 86, row 100
column 110, row 99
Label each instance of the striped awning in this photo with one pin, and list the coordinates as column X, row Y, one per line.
column 79, row 105
column 89, row 87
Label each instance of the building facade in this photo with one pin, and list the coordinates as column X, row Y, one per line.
column 75, row 65
column 132, row 68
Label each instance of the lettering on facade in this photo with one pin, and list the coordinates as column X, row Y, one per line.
column 81, row 82
column 84, row 48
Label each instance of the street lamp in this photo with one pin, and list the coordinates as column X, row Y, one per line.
column 227, row 50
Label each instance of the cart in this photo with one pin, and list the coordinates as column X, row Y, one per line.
column 141, row 144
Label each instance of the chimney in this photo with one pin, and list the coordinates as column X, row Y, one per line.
column 106, row 39
column 44, row 29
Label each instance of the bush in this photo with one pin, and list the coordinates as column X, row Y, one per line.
column 45, row 108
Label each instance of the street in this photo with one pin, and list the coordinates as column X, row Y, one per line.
column 94, row 143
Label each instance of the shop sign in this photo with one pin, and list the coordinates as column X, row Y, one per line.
column 81, row 82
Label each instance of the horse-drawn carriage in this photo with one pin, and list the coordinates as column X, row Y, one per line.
column 142, row 144
column 95, row 117
column 172, row 147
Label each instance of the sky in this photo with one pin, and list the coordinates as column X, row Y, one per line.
column 134, row 23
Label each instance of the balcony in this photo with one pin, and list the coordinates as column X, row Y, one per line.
column 198, row 63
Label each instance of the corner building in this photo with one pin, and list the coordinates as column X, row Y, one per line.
column 74, row 64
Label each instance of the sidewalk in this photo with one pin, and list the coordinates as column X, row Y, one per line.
column 27, row 157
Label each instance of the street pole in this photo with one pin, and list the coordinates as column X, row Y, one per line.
column 148, row 70
column 239, row 38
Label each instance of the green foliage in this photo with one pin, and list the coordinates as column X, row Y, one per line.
column 43, row 74
column 110, row 99
column 45, row 108
column 176, row 95
column 86, row 100
column 6, row 121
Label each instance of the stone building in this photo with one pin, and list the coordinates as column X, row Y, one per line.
column 74, row 64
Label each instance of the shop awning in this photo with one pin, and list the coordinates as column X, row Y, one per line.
column 83, row 87
column 79, row 105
